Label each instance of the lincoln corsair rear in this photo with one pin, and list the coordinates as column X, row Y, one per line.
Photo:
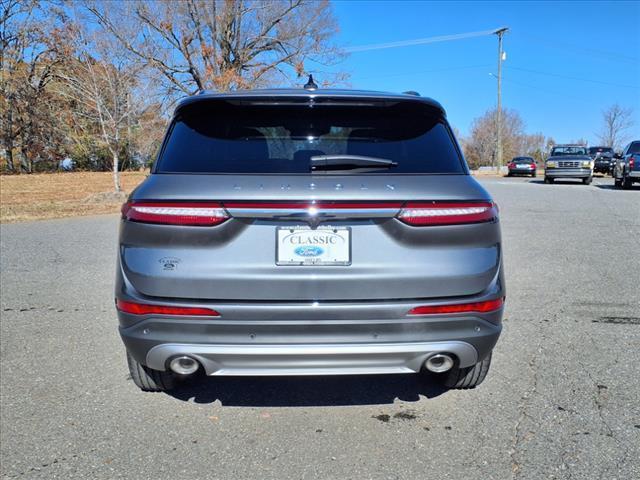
column 309, row 232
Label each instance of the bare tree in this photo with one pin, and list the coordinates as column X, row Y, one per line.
column 29, row 56
column 533, row 145
column 88, row 79
column 617, row 121
column 101, row 85
column 222, row 44
column 480, row 146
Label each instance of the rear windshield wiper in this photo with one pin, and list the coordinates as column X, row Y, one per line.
column 349, row 162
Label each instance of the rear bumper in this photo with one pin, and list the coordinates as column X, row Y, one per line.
column 568, row 172
column 311, row 337
column 312, row 359
column 635, row 174
column 602, row 167
column 285, row 343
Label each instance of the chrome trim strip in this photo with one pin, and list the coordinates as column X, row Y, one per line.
column 311, row 212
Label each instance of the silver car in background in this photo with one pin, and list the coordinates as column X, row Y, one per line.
column 309, row 232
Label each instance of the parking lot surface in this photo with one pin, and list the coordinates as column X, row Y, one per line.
column 561, row 400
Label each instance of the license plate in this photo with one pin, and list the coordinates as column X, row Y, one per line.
column 324, row 245
column 522, row 167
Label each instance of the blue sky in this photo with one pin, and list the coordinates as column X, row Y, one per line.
column 566, row 61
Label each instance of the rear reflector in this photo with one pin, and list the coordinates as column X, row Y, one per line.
column 204, row 214
column 145, row 309
column 481, row 307
column 447, row 213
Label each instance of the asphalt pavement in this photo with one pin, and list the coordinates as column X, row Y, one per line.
column 561, row 401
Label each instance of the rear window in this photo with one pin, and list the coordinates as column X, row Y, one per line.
column 594, row 150
column 634, row 147
column 220, row 137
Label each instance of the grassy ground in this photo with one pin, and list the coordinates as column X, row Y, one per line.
column 56, row 195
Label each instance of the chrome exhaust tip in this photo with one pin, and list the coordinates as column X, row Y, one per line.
column 441, row 362
column 184, row 365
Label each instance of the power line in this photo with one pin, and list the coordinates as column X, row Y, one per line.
column 576, row 48
column 433, row 70
column 420, row 41
column 543, row 90
column 510, row 67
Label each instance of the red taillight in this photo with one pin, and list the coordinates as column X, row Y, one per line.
column 511, row 165
column 632, row 162
column 205, row 214
column 447, row 213
column 533, row 165
column 145, row 309
column 481, row 307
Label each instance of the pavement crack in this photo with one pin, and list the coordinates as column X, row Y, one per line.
column 49, row 308
column 518, row 437
column 600, row 399
column 618, row 320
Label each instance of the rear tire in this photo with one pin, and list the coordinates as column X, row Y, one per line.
column 467, row 377
column 534, row 174
column 587, row 180
column 548, row 180
column 148, row 379
column 617, row 182
column 626, row 183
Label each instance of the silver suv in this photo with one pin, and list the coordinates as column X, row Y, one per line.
column 309, row 232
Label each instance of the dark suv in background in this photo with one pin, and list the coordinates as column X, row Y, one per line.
column 309, row 232
column 603, row 161
column 627, row 166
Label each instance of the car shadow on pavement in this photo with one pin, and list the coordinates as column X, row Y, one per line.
column 560, row 182
column 612, row 187
column 308, row 391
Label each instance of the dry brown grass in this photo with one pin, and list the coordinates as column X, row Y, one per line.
column 57, row 195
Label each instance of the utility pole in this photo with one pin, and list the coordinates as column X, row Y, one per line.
column 500, row 32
